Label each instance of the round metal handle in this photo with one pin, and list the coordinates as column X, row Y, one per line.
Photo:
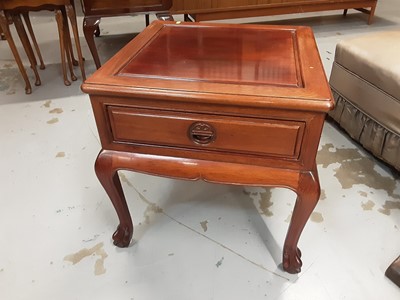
column 202, row 133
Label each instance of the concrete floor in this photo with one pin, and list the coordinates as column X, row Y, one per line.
column 192, row 240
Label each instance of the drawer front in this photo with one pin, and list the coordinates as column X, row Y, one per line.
column 206, row 132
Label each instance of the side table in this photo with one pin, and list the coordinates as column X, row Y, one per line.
column 7, row 17
column 232, row 104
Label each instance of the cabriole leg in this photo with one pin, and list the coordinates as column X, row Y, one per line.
column 308, row 192
column 6, row 30
column 61, row 32
column 106, row 171
column 90, row 24
column 74, row 25
column 32, row 34
column 27, row 46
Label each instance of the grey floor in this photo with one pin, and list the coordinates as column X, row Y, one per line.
column 192, row 240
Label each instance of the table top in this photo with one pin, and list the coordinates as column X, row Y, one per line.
column 244, row 56
column 264, row 63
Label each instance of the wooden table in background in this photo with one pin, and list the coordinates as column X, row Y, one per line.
column 94, row 10
column 230, row 9
column 64, row 9
column 231, row 104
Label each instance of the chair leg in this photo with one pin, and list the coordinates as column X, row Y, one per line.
column 33, row 38
column 60, row 25
column 5, row 27
column 74, row 25
column 26, row 44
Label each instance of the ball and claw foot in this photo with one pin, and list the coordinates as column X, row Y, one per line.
column 292, row 261
column 122, row 236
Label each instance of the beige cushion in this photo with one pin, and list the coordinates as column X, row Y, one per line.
column 375, row 57
column 371, row 100
column 365, row 81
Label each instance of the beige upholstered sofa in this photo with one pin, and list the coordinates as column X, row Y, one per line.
column 365, row 81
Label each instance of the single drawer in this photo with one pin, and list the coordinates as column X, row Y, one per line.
column 206, row 132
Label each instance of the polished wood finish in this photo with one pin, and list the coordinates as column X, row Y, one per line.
column 61, row 36
column 393, row 272
column 4, row 24
column 11, row 16
column 63, row 10
column 206, row 10
column 229, row 9
column 94, row 10
column 34, row 41
column 27, row 46
column 232, row 104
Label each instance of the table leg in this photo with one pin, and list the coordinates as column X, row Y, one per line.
column 106, row 171
column 2, row 34
column 308, row 192
column 306, row 185
column 188, row 18
column 74, row 61
column 97, row 30
column 393, row 272
column 371, row 14
column 35, row 44
column 27, row 45
column 6, row 30
column 164, row 16
column 60, row 25
column 74, row 25
column 69, row 52
column 90, row 24
column 68, row 45
column 68, row 39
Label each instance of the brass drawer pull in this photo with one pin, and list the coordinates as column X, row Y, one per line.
column 202, row 133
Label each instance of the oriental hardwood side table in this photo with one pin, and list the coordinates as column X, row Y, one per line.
column 232, row 104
